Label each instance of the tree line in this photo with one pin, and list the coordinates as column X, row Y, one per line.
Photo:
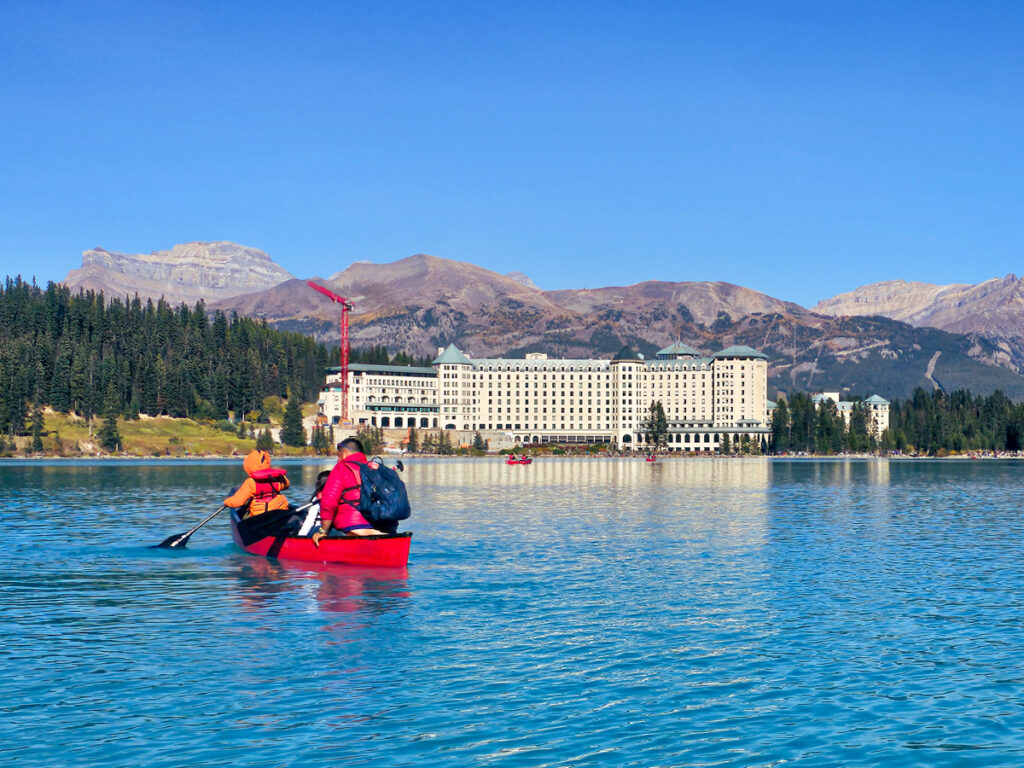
column 801, row 425
column 938, row 422
column 377, row 354
column 82, row 352
column 931, row 423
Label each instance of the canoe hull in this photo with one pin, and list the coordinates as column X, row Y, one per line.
column 385, row 550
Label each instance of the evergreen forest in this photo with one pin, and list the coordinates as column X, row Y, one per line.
column 934, row 423
column 84, row 353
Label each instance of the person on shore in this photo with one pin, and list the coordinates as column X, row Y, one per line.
column 262, row 489
column 339, row 502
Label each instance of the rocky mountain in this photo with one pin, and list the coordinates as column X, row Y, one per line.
column 423, row 302
column 877, row 339
column 993, row 309
column 409, row 304
column 186, row 272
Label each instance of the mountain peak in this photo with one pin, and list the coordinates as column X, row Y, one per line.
column 522, row 279
column 185, row 273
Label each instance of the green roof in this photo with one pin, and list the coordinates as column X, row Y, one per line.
column 678, row 349
column 452, row 356
column 876, row 400
column 741, row 351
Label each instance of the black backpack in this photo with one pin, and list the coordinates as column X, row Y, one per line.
column 383, row 500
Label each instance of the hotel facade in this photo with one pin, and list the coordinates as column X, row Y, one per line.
column 540, row 400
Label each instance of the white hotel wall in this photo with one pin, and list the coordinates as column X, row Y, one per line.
column 579, row 401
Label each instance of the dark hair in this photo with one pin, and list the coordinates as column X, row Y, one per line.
column 321, row 481
column 352, row 444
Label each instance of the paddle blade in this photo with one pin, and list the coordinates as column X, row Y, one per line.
column 177, row 541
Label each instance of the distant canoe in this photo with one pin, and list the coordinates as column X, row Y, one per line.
column 523, row 460
column 385, row 550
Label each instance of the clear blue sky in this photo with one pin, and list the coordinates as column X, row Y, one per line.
column 801, row 149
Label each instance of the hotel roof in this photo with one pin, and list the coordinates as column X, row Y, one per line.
column 741, row 351
column 452, row 356
column 678, row 349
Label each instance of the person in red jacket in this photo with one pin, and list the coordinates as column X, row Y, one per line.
column 339, row 502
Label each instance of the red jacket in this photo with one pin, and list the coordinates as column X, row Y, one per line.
column 341, row 492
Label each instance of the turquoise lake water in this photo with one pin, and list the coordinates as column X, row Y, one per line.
column 568, row 613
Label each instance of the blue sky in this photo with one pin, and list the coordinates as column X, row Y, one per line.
column 800, row 149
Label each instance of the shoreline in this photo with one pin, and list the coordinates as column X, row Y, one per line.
column 226, row 458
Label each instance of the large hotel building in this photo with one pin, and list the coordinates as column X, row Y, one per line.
column 541, row 400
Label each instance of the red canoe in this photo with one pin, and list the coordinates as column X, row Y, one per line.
column 651, row 458
column 386, row 550
column 518, row 461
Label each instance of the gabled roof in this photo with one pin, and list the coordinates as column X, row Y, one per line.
column 452, row 356
column 677, row 349
column 741, row 351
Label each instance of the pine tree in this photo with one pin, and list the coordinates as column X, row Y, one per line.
column 372, row 439
column 780, row 427
column 655, row 425
column 444, row 445
column 78, row 385
column 319, row 441
column 265, row 442
column 109, row 437
column 37, row 429
column 412, row 446
column 292, row 432
column 60, row 385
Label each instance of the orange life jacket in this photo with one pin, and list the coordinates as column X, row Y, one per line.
column 269, row 484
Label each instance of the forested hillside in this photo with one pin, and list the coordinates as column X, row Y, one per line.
column 79, row 352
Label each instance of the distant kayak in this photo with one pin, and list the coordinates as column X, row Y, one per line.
column 651, row 458
column 523, row 460
column 257, row 536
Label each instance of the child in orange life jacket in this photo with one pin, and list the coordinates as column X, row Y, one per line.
column 262, row 489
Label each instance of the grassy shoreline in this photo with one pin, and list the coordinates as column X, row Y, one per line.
column 149, row 437
column 163, row 437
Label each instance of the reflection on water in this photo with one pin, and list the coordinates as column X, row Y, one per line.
column 597, row 472
column 320, row 586
column 583, row 612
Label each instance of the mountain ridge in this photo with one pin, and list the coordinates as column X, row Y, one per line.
column 421, row 302
column 186, row 272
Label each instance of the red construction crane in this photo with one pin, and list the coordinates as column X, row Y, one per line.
column 346, row 307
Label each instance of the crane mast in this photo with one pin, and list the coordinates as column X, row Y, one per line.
column 346, row 307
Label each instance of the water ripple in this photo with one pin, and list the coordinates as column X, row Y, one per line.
column 570, row 613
